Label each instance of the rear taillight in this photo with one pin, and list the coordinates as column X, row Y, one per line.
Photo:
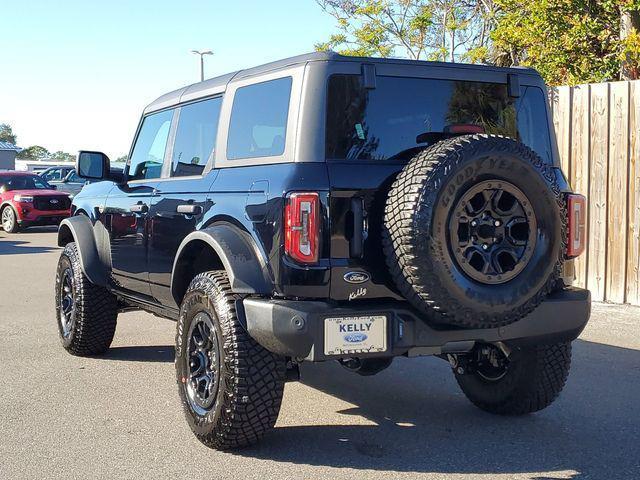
column 302, row 227
column 577, row 235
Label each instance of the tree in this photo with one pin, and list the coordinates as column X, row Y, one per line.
column 6, row 134
column 418, row 29
column 63, row 156
column 569, row 41
column 630, row 39
column 35, row 152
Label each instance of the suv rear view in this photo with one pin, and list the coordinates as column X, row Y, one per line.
column 334, row 208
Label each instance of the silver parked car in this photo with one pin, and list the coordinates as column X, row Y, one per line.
column 71, row 183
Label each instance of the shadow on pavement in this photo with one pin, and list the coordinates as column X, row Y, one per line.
column 20, row 247
column 147, row 353
column 423, row 423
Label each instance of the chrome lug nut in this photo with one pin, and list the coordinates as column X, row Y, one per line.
column 485, row 246
column 497, row 223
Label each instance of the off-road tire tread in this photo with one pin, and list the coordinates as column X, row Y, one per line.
column 539, row 382
column 418, row 185
column 255, row 377
column 96, row 310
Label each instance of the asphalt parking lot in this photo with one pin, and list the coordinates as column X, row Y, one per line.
column 118, row 416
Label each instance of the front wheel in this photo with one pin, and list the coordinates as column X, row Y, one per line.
column 230, row 386
column 86, row 313
column 526, row 381
column 9, row 220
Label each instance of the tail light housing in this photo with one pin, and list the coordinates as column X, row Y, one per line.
column 577, row 217
column 302, row 227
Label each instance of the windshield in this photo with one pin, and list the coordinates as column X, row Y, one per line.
column 402, row 114
column 23, row 182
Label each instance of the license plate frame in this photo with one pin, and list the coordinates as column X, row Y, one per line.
column 361, row 334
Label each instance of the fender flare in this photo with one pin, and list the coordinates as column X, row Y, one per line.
column 8, row 203
column 242, row 260
column 79, row 229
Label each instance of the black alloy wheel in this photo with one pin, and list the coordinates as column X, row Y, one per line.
column 67, row 303
column 204, row 363
column 492, row 231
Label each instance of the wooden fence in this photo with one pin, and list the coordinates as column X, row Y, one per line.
column 598, row 132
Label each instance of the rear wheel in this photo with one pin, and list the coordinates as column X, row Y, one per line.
column 529, row 380
column 230, row 386
column 9, row 220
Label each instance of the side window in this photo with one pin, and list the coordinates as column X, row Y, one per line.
column 195, row 137
column 532, row 122
column 148, row 152
column 74, row 178
column 258, row 126
column 53, row 174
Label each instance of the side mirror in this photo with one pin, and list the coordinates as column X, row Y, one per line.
column 3, row 188
column 92, row 165
column 53, row 187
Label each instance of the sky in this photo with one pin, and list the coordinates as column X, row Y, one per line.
column 77, row 74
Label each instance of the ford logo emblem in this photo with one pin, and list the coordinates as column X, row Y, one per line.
column 356, row 277
column 355, row 337
column 53, row 200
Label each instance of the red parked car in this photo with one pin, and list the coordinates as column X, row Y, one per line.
column 27, row 200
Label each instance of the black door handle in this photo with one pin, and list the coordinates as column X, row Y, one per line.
column 139, row 208
column 189, row 209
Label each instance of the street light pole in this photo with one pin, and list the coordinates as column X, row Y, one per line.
column 202, row 54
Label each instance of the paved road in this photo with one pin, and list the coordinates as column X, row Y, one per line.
column 118, row 416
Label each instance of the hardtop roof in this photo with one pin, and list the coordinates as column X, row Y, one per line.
column 218, row 84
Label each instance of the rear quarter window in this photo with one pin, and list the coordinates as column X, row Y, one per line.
column 258, row 126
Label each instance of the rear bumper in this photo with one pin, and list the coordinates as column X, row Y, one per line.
column 296, row 328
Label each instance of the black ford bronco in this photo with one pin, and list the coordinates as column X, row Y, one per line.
column 334, row 208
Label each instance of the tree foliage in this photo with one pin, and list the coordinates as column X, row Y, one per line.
column 417, row 29
column 6, row 134
column 567, row 41
column 34, row 152
column 63, row 156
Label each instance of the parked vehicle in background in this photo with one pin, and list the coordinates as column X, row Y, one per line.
column 334, row 208
column 72, row 183
column 57, row 173
column 39, row 166
column 28, row 200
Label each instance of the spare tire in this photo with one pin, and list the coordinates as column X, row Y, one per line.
column 474, row 231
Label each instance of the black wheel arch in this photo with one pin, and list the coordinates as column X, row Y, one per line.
column 221, row 246
column 94, row 260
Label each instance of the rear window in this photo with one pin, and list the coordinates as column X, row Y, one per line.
column 402, row 115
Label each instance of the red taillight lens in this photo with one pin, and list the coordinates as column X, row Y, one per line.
column 302, row 227
column 577, row 235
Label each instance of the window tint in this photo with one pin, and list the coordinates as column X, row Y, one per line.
column 402, row 115
column 53, row 174
column 74, row 178
column 532, row 122
column 148, row 152
column 195, row 137
column 23, row 182
column 258, row 126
